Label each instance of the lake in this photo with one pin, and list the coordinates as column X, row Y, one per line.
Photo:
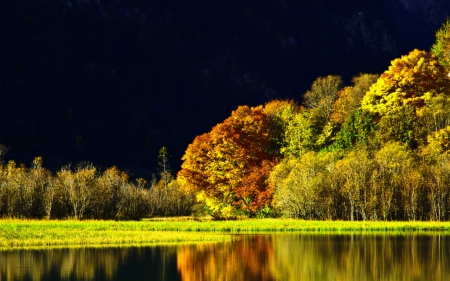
column 251, row 257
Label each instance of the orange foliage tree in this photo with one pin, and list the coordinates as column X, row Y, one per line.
column 228, row 167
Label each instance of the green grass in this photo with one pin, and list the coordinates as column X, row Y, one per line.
column 33, row 233
column 291, row 225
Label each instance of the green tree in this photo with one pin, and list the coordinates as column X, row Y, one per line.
column 441, row 48
column 399, row 125
column 164, row 166
column 358, row 129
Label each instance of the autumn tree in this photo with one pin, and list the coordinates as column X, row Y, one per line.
column 406, row 82
column 43, row 189
column 435, row 115
column 298, row 187
column 281, row 114
column 349, row 98
column 437, row 180
column 412, row 193
column 323, row 93
column 302, row 133
column 109, row 192
column 393, row 162
column 355, row 171
column 227, row 167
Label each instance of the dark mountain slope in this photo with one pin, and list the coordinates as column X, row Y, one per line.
column 113, row 81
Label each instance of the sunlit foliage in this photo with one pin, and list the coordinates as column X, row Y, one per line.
column 441, row 48
column 406, row 82
column 229, row 165
column 86, row 193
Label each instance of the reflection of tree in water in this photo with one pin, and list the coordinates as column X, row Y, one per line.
column 255, row 257
column 90, row 264
column 246, row 259
column 360, row 257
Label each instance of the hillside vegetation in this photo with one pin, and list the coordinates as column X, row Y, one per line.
column 373, row 150
column 377, row 149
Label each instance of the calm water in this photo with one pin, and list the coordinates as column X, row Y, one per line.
column 254, row 257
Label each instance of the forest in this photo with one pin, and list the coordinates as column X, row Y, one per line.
column 111, row 82
column 377, row 149
column 374, row 150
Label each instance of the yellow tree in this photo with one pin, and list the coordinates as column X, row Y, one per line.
column 437, row 176
column 302, row 188
column 393, row 161
column 349, row 98
column 281, row 114
column 406, row 82
column 323, row 93
column 228, row 166
column 355, row 171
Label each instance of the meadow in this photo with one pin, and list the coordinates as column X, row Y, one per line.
column 16, row 233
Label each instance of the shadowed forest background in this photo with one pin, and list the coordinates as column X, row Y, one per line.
column 111, row 82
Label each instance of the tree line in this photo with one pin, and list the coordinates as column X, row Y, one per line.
column 84, row 192
column 377, row 149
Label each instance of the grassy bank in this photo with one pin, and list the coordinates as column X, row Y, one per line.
column 291, row 225
column 29, row 233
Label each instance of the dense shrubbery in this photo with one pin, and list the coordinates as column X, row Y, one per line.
column 84, row 192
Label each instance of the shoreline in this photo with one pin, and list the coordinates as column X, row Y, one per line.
column 15, row 233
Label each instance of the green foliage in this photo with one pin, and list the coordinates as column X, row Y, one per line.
column 302, row 132
column 280, row 114
column 358, row 129
column 441, row 48
column 400, row 125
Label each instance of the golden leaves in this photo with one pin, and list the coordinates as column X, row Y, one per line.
column 231, row 163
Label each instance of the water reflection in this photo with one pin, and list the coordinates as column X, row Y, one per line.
column 320, row 257
column 253, row 257
column 245, row 259
column 361, row 257
column 156, row 263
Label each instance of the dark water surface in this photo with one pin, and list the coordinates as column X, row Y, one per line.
column 253, row 257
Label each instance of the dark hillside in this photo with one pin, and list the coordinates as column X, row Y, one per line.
column 112, row 81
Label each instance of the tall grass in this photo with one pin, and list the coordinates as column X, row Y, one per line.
column 292, row 225
column 29, row 233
